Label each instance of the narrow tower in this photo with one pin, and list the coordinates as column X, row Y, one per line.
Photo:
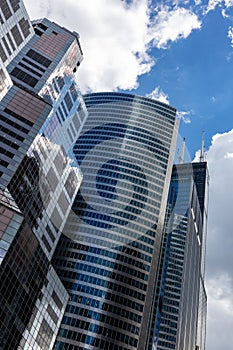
column 202, row 153
column 181, row 304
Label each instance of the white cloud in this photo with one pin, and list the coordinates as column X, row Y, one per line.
column 184, row 115
column 113, row 35
column 212, row 4
column 220, row 307
column 213, row 99
column 116, row 37
column 228, row 155
column 220, row 289
column 173, row 24
column 230, row 35
column 219, row 261
column 158, row 94
column 223, row 4
column 228, row 3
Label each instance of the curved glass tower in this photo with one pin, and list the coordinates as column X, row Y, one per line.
column 108, row 255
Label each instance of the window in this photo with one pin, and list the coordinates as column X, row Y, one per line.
column 8, row 142
column 10, row 41
column 30, row 69
column 6, row 153
column 60, row 82
column 2, row 54
column 24, row 77
column 16, row 35
column 39, row 58
column 73, row 92
column 33, row 64
column 45, row 335
column 5, row 9
column 6, row 46
column 25, row 27
column 15, row 4
column 46, row 243
column 68, row 101
column 50, row 233
column 57, row 300
column 52, row 314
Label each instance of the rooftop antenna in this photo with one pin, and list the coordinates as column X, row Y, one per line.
column 202, row 154
column 181, row 158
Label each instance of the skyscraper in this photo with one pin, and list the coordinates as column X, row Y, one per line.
column 16, row 32
column 181, row 306
column 41, row 114
column 109, row 253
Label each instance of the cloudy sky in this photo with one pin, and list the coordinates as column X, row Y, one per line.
column 180, row 52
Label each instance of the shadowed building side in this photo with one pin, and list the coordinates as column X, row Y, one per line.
column 181, row 305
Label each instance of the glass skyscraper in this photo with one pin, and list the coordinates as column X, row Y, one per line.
column 181, row 306
column 109, row 253
column 41, row 115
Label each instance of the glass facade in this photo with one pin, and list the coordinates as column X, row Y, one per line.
column 181, row 301
column 41, row 114
column 107, row 257
column 16, row 29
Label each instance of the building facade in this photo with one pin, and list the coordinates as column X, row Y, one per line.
column 41, row 114
column 108, row 255
column 181, row 306
column 16, row 29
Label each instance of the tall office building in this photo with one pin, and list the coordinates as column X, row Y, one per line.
column 181, row 306
column 16, row 31
column 41, row 115
column 109, row 253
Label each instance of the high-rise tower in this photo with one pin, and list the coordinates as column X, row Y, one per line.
column 108, row 257
column 41, row 115
column 181, row 306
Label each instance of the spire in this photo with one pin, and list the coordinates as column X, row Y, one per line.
column 181, row 158
column 202, row 154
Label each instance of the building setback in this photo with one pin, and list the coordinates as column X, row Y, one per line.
column 108, row 255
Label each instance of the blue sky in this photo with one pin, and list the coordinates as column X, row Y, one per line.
column 179, row 51
column 196, row 74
